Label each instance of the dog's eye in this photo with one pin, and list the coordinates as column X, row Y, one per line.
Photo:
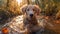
column 33, row 10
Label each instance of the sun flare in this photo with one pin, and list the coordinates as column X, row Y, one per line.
column 19, row 1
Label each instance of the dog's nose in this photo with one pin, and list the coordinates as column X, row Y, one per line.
column 31, row 15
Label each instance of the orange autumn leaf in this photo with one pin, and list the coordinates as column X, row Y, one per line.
column 5, row 30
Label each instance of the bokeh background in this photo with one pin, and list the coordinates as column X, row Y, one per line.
column 50, row 8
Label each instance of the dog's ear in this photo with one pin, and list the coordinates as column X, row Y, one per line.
column 24, row 9
column 37, row 9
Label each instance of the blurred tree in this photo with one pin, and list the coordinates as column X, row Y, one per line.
column 28, row 1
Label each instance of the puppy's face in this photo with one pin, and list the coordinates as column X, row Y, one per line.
column 31, row 10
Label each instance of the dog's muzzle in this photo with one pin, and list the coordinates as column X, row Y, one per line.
column 31, row 15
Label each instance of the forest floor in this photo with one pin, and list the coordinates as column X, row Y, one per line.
column 52, row 29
